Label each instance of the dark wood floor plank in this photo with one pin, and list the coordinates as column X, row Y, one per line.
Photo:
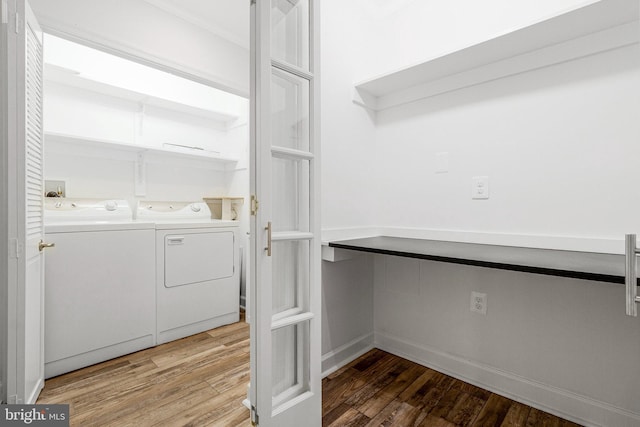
column 398, row 413
column 387, row 394
column 351, row 418
column 335, row 413
column 431, row 421
column 538, row 418
column 517, row 415
column 465, row 410
column 471, row 389
column 494, row 411
column 339, row 389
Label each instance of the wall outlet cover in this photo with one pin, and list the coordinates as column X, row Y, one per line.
column 479, row 303
column 480, row 187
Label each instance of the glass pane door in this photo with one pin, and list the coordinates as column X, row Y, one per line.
column 285, row 332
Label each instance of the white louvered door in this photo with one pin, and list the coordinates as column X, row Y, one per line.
column 30, row 295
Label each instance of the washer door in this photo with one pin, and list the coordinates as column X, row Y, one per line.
column 197, row 257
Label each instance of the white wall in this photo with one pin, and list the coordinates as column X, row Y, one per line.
column 136, row 28
column 559, row 146
column 348, row 168
column 348, row 171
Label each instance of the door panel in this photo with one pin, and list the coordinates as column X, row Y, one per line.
column 25, row 372
column 289, row 111
column 290, row 32
column 285, row 330
column 34, row 210
column 290, row 277
column 290, row 181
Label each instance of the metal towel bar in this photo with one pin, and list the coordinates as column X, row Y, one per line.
column 631, row 274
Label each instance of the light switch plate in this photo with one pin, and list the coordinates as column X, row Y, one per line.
column 442, row 162
column 480, row 187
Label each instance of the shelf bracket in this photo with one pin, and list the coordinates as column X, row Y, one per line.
column 141, row 175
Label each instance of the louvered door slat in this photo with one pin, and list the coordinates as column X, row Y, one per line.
column 34, row 163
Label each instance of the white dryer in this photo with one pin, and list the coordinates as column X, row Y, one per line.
column 99, row 283
column 197, row 273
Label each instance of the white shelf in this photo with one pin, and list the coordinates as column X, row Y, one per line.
column 92, row 147
column 60, row 75
column 596, row 26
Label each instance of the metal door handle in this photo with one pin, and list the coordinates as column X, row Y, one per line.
column 42, row 245
column 631, row 274
column 268, row 248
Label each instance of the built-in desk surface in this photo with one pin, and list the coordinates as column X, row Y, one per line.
column 580, row 265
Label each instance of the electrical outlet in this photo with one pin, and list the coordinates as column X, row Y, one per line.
column 480, row 187
column 479, row 302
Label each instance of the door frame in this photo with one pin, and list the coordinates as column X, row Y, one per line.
column 9, row 226
column 9, row 218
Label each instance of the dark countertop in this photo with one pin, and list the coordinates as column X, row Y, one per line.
column 579, row 265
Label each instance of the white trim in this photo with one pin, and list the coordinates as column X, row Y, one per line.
column 575, row 407
column 346, row 353
column 5, row 99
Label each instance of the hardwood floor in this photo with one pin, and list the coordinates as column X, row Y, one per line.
column 198, row 381
column 380, row 389
column 201, row 381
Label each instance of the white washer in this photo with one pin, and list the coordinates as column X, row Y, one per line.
column 100, row 283
column 197, row 273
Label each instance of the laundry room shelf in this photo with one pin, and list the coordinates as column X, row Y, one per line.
column 68, row 77
column 93, row 147
column 594, row 27
column 598, row 267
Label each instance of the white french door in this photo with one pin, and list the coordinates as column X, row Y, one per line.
column 285, row 289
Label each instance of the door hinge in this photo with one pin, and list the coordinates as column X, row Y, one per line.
column 4, row 13
column 254, row 416
column 254, row 205
column 14, row 248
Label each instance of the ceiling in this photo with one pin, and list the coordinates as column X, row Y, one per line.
column 228, row 19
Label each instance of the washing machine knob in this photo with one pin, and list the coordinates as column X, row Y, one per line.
column 111, row 205
column 195, row 208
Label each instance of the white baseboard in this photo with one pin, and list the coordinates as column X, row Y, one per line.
column 243, row 302
column 563, row 403
column 339, row 357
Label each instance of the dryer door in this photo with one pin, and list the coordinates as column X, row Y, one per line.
column 196, row 256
